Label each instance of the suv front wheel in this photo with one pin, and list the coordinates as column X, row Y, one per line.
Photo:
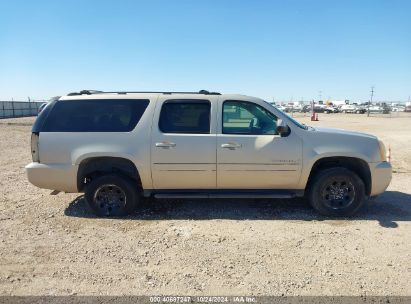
column 337, row 192
column 112, row 195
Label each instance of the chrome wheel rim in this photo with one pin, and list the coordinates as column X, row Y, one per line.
column 110, row 199
column 338, row 193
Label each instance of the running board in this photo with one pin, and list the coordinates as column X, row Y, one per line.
column 228, row 194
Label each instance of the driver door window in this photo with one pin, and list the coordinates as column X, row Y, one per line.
column 247, row 118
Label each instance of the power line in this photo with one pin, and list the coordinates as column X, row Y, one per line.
column 370, row 102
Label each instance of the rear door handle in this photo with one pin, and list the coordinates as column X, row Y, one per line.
column 231, row 146
column 165, row 144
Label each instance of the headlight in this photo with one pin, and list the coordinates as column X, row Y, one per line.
column 383, row 153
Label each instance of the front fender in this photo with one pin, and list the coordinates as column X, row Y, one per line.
column 309, row 164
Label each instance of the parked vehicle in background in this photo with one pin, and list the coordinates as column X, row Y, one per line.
column 397, row 109
column 306, row 108
column 298, row 108
column 352, row 108
column 118, row 147
column 360, row 110
column 348, row 108
column 280, row 107
column 376, row 109
column 319, row 108
column 386, row 109
column 331, row 109
column 288, row 108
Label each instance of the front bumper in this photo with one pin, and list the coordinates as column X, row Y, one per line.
column 381, row 175
column 53, row 176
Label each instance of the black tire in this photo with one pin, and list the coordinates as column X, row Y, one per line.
column 337, row 192
column 112, row 195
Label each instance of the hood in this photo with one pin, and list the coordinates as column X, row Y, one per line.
column 343, row 132
column 328, row 142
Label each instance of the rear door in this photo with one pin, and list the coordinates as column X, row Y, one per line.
column 183, row 145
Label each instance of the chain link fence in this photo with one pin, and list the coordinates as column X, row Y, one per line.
column 12, row 109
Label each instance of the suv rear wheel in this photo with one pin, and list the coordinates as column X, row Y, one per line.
column 112, row 195
column 337, row 192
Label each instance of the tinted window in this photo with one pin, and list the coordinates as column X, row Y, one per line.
column 240, row 117
column 105, row 115
column 185, row 116
column 42, row 117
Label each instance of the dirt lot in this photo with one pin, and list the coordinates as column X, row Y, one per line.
column 53, row 245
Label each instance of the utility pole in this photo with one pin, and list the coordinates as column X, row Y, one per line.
column 370, row 102
column 319, row 95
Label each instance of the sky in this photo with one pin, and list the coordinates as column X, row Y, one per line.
column 277, row 50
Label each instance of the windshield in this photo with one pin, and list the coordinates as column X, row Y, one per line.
column 298, row 124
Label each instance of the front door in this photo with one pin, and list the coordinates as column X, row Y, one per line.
column 183, row 146
column 250, row 153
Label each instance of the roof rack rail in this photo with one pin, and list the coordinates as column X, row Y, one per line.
column 203, row 92
column 90, row 92
column 85, row 92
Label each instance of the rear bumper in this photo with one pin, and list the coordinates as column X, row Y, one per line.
column 54, row 177
column 381, row 175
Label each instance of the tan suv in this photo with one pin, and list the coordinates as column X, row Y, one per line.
column 119, row 146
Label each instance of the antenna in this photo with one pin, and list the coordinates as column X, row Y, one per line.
column 372, row 94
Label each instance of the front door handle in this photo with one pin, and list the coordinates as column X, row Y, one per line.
column 165, row 144
column 231, row 146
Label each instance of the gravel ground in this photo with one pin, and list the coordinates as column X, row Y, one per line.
column 53, row 245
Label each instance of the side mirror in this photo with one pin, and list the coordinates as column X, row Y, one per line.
column 282, row 128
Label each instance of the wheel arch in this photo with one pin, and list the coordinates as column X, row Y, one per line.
column 356, row 165
column 91, row 167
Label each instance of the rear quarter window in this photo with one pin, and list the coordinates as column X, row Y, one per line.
column 96, row 115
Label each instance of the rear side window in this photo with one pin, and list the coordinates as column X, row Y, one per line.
column 185, row 116
column 97, row 115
